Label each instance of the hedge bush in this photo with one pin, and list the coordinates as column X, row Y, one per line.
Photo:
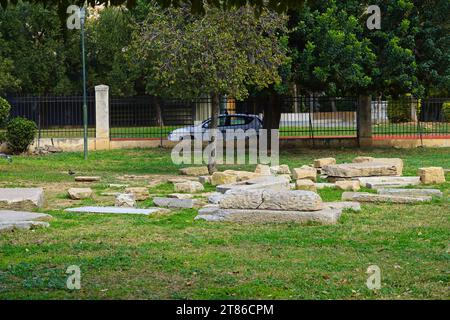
column 446, row 111
column 5, row 108
column 20, row 133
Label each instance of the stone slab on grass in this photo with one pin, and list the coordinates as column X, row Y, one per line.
column 87, row 179
column 372, row 197
column 10, row 220
column 348, row 185
column 286, row 200
column 215, row 213
column 114, row 210
column 194, row 171
column 23, row 225
column 412, row 192
column 79, row 193
column 265, row 182
column 431, row 175
column 352, row 205
column 364, row 169
column 188, row 187
column 379, row 182
column 319, row 163
column 21, row 198
column 174, row 202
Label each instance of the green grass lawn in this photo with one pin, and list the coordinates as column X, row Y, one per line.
column 172, row 256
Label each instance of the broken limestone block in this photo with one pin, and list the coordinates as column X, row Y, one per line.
column 378, row 182
column 305, row 184
column 189, row 187
column 305, row 172
column 294, row 200
column 363, row 159
column 117, row 185
column 319, row 163
column 412, row 192
column 126, row 200
column 140, row 193
column 263, row 170
column 264, row 182
column 287, row 176
column 215, row 197
column 173, row 202
column 352, row 205
column 23, row 225
column 364, row 169
column 180, row 196
column 348, row 185
column 10, row 216
column 204, row 179
column 395, row 161
column 194, row 171
column 322, row 185
column 371, row 197
column 21, row 198
column 10, row 220
column 242, row 175
column 115, row 210
column 219, row 178
column 79, row 193
column 215, row 213
column 281, row 169
column 87, row 178
column 431, row 175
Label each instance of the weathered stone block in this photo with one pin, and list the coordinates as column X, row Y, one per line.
column 87, row 178
column 79, row 193
column 431, row 175
column 126, row 200
column 319, row 163
column 294, row 200
column 371, row 197
column 242, row 175
column 140, row 193
column 219, row 178
column 412, row 192
column 21, row 198
column 281, row 169
column 189, row 187
column 263, row 169
column 348, row 185
column 384, row 182
column 305, row 184
column 204, row 179
column 173, row 202
column 324, row 216
column 194, row 171
column 305, row 172
column 364, row 169
column 180, row 196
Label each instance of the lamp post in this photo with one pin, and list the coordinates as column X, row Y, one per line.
column 85, row 114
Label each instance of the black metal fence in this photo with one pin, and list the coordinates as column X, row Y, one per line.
column 152, row 118
column 410, row 117
column 55, row 117
column 145, row 117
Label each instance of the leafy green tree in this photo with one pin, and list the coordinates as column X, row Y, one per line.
column 218, row 53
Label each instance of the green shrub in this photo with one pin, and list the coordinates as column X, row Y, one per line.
column 20, row 134
column 399, row 110
column 5, row 108
column 446, row 111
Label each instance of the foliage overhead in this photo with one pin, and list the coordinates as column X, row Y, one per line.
column 186, row 55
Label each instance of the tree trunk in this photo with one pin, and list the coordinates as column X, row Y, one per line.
column 212, row 167
column 272, row 115
column 159, row 118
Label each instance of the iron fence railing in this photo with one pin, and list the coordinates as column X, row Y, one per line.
column 410, row 117
column 55, row 117
column 146, row 117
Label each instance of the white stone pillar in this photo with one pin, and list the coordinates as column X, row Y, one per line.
column 102, row 117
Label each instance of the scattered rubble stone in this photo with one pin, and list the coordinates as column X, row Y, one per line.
column 189, row 187
column 126, row 200
column 195, row 171
column 349, row 185
column 21, row 198
column 140, row 193
column 305, row 184
column 79, row 193
column 305, row 172
column 372, row 197
column 319, row 163
column 431, row 175
column 174, row 202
